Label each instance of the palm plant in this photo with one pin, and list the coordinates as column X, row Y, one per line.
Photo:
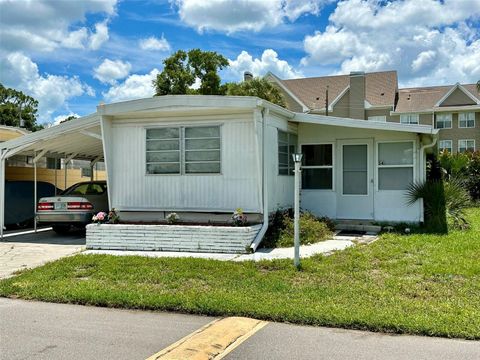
column 443, row 202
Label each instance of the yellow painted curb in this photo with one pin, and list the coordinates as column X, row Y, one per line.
column 213, row 341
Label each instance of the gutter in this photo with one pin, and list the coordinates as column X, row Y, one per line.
column 258, row 239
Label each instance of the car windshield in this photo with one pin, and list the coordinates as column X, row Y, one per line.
column 86, row 189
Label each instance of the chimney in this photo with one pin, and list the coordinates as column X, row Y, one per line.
column 357, row 95
column 247, row 75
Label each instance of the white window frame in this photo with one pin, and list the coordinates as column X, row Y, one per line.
column 466, row 120
column 182, row 149
column 332, row 144
column 378, row 118
column 378, row 166
column 290, row 164
column 442, row 148
column 446, row 118
column 466, row 145
column 410, row 119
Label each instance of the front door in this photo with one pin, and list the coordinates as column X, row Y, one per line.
column 355, row 179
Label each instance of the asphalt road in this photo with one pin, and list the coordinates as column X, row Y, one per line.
column 36, row 330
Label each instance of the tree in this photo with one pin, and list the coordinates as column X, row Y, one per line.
column 176, row 77
column 68, row 118
column 14, row 105
column 181, row 69
column 259, row 87
column 205, row 66
column 478, row 86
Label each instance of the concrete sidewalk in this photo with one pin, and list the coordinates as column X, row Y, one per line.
column 324, row 247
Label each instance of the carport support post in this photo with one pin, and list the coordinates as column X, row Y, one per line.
column 35, row 191
column 2, row 194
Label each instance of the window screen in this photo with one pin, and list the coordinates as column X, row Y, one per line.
column 163, row 151
column 287, row 145
column 202, row 149
column 317, row 168
column 395, row 165
column 178, row 150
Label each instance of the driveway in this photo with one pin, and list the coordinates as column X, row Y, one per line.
column 36, row 330
column 27, row 249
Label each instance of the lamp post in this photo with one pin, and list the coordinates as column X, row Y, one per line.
column 297, row 159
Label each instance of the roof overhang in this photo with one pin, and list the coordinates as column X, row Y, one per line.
column 81, row 137
column 363, row 124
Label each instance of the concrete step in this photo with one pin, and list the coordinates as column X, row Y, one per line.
column 358, row 226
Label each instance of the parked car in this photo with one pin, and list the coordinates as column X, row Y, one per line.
column 75, row 207
column 19, row 202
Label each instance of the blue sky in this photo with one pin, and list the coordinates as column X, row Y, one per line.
column 73, row 54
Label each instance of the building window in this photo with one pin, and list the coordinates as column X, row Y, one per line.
column 409, row 118
column 395, row 165
column 53, row 163
column 202, row 150
column 378, row 118
column 86, row 171
column 443, row 121
column 187, row 150
column 445, row 145
column 287, row 144
column 466, row 120
column 317, row 168
column 466, row 145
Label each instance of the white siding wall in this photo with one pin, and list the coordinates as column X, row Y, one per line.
column 388, row 205
column 237, row 185
column 280, row 187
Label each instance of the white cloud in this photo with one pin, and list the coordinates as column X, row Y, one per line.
column 238, row 15
column 99, row 36
column 51, row 91
column 44, row 25
column 269, row 61
column 153, row 43
column 427, row 41
column 109, row 71
column 134, row 87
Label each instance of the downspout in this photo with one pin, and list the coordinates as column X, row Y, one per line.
column 263, row 230
column 423, row 169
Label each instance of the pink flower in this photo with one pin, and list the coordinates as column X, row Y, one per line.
column 101, row 216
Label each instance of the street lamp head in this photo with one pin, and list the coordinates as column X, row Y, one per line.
column 297, row 157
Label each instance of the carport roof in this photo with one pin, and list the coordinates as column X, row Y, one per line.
column 80, row 138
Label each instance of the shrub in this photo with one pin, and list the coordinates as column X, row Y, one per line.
column 312, row 229
column 239, row 218
column 464, row 166
column 172, row 218
column 443, row 202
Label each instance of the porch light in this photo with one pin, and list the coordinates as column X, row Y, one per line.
column 297, row 159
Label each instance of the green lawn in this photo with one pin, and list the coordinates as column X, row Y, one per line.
column 418, row 284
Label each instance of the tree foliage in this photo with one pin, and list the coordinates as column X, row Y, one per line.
column 13, row 104
column 259, row 87
column 182, row 68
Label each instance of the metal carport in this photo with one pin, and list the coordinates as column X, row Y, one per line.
column 75, row 139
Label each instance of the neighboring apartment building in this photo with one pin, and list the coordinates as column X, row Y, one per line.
column 375, row 96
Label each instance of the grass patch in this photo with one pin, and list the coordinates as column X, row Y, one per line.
column 419, row 284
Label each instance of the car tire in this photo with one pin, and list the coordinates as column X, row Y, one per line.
column 61, row 229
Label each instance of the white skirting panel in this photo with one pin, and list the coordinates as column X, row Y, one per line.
column 218, row 239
